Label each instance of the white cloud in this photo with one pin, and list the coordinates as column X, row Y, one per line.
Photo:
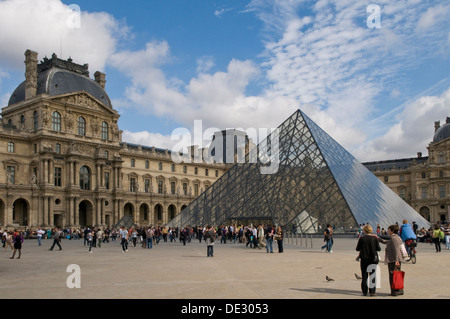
column 412, row 132
column 432, row 17
column 148, row 139
column 204, row 64
column 45, row 26
column 220, row 11
column 218, row 99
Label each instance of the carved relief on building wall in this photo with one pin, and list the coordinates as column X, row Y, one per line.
column 68, row 121
column 82, row 100
column 80, row 148
column 45, row 117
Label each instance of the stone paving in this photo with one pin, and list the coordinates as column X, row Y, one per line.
column 173, row 271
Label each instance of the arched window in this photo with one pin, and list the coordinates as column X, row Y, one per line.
column 85, row 178
column 81, row 126
column 56, row 121
column 104, row 131
column 35, row 120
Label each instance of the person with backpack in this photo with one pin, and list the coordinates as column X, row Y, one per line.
column 210, row 237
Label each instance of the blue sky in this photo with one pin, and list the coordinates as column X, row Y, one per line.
column 250, row 64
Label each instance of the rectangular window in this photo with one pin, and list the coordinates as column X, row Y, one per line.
column 402, row 193
column 424, row 192
column 185, row 189
column 56, row 121
column 11, row 174
column 58, row 176
column 10, row 147
column 132, row 184
column 160, row 187
column 107, row 180
column 196, row 191
column 147, row 185
column 206, row 172
column 172, row 188
column 442, row 191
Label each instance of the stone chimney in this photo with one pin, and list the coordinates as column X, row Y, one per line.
column 437, row 125
column 419, row 154
column 31, row 63
column 100, row 78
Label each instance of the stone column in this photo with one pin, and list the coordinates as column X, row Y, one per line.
column 77, row 211
column 45, row 211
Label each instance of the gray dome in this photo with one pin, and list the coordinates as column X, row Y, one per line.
column 443, row 132
column 56, row 77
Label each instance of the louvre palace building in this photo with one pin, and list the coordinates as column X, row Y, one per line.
column 65, row 164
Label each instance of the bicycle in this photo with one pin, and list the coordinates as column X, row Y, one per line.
column 411, row 247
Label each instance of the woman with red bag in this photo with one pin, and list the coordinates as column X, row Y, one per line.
column 394, row 258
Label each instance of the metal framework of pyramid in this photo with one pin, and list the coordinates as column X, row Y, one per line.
column 126, row 221
column 317, row 182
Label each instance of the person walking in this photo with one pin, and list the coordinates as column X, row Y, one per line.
column 123, row 234
column 393, row 256
column 368, row 247
column 328, row 239
column 8, row 240
column 210, row 237
column 17, row 241
column 90, row 239
column 100, row 237
column 260, row 236
column 437, row 236
column 56, row 239
column 39, row 233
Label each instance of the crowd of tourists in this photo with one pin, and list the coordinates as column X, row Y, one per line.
column 260, row 236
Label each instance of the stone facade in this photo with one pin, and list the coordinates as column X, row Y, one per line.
column 65, row 164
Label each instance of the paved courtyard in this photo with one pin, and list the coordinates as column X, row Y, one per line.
column 173, row 271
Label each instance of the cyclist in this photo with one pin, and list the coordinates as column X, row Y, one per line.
column 407, row 235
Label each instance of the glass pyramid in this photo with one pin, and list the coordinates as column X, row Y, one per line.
column 314, row 182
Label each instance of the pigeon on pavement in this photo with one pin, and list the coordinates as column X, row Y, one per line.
column 329, row 279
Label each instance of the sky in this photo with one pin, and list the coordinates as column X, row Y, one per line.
column 375, row 75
